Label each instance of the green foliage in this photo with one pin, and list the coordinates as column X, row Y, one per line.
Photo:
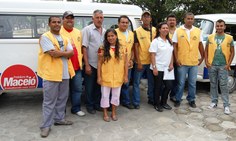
column 162, row 8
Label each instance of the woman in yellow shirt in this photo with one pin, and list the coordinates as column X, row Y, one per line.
column 112, row 72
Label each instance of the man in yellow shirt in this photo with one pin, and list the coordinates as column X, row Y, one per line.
column 126, row 40
column 219, row 54
column 74, row 35
column 55, row 69
column 143, row 37
column 187, row 45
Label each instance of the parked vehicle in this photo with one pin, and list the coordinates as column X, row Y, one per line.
column 22, row 23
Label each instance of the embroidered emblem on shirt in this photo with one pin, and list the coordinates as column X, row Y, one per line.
column 194, row 38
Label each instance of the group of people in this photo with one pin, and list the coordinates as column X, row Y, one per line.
column 166, row 55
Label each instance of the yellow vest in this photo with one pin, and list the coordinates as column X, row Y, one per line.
column 112, row 72
column 225, row 45
column 188, row 50
column 170, row 35
column 50, row 68
column 128, row 44
column 144, row 44
column 76, row 37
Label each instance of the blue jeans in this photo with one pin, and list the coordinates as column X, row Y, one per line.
column 219, row 73
column 182, row 71
column 93, row 90
column 125, row 97
column 137, row 78
column 76, row 91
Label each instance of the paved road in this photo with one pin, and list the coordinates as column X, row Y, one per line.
column 20, row 117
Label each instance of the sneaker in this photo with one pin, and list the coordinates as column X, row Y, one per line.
column 44, row 132
column 136, row 107
column 167, row 107
column 80, row 113
column 158, row 108
column 212, row 105
column 192, row 104
column 63, row 122
column 91, row 111
column 227, row 111
column 177, row 104
column 129, row 106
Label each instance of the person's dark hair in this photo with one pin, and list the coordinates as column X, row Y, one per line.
column 158, row 32
column 171, row 16
column 106, row 44
column 50, row 18
column 220, row 21
column 123, row 16
column 188, row 14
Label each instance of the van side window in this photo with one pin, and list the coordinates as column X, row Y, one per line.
column 231, row 29
column 29, row 27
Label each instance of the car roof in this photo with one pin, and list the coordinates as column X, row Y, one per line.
column 228, row 18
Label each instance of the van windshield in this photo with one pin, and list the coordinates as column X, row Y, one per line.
column 206, row 26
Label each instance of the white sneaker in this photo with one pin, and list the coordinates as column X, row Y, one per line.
column 227, row 111
column 212, row 105
column 80, row 113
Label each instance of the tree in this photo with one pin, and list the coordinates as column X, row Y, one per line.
column 160, row 9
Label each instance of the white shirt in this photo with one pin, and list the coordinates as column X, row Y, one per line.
column 163, row 50
column 175, row 37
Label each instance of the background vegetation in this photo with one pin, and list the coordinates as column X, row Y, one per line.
column 161, row 8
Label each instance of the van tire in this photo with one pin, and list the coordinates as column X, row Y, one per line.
column 231, row 83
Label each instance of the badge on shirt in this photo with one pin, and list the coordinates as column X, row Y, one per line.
column 142, row 38
column 194, row 38
column 78, row 39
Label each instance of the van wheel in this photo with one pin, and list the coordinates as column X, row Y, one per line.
column 231, row 83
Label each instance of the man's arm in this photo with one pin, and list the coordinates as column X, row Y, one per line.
column 230, row 57
column 208, row 65
column 201, row 50
column 136, row 52
column 85, row 42
column 176, row 54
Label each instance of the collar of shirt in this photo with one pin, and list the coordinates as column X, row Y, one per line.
column 186, row 28
column 160, row 39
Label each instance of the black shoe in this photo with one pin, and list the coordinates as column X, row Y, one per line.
column 177, row 104
column 129, row 106
column 136, row 107
column 91, row 111
column 173, row 99
column 98, row 109
column 150, row 102
column 192, row 104
column 158, row 108
column 166, row 106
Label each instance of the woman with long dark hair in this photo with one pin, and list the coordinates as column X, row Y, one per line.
column 112, row 72
column 161, row 50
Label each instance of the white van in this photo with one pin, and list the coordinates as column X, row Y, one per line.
column 22, row 23
column 207, row 24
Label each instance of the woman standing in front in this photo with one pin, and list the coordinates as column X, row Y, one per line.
column 161, row 50
column 112, row 72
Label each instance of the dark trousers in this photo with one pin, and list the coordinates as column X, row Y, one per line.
column 92, row 90
column 161, row 92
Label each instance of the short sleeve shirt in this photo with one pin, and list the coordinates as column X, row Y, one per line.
column 163, row 53
column 92, row 40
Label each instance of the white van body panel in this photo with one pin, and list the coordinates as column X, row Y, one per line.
column 22, row 50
